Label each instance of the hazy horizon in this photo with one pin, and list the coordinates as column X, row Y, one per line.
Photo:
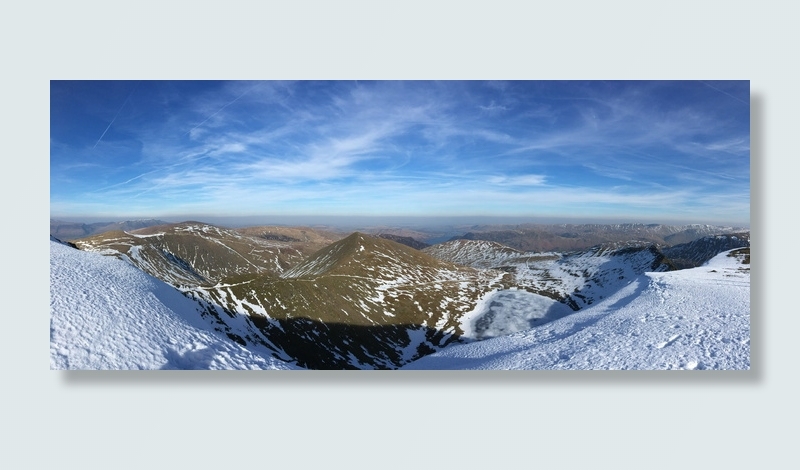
column 387, row 221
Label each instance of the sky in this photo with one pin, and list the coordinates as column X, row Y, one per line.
column 619, row 151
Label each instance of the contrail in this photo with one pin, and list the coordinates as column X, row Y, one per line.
column 220, row 109
column 124, row 182
column 726, row 93
column 115, row 116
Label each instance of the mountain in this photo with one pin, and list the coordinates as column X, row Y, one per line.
column 687, row 319
column 361, row 302
column 72, row 230
column 305, row 240
column 475, row 253
column 194, row 253
column 547, row 286
column 107, row 314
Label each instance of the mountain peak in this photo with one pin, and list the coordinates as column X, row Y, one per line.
column 360, row 254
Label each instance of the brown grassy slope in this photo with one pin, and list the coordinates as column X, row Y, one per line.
column 375, row 292
column 192, row 253
column 303, row 239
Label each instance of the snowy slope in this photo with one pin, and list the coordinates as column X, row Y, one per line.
column 690, row 319
column 475, row 253
column 107, row 314
column 577, row 279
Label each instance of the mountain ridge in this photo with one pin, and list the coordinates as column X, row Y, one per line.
column 574, row 237
column 68, row 231
column 194, row 253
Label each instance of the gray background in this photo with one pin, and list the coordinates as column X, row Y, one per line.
column 398, row 419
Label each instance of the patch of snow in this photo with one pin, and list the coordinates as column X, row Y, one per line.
column 509, row 311
column 145, row 236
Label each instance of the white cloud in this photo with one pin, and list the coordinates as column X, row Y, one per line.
column 522, row 180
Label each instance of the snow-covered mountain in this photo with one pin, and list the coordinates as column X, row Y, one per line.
column 107, row 314
column 688, row 319
column 476, row 253
column 362, row 302
column 542, row 281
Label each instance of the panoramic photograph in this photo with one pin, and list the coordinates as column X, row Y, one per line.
column 399, row 225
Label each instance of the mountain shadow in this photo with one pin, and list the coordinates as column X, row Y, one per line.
column 327, row 345
column 697, row 252
column 335, row 346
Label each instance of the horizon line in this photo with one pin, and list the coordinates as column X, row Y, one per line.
column 348, row 220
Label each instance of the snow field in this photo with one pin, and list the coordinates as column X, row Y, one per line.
column 690, row 319
column 106, row 314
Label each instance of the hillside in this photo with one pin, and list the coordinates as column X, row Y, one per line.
column 547, row 286
column 476, row 253
column 689, row 319
column 697, row 252
column 194, row 253
column 362, row 302
column 107, row 314
column 408, row 241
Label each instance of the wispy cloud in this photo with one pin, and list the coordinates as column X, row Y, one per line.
column 522, row 180
column 493, row 107
column 223, row 108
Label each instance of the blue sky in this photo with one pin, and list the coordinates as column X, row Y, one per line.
column 618, row 151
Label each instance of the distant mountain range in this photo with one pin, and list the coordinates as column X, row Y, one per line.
column 323, row 300
column 571, row 237
column 67, row 231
